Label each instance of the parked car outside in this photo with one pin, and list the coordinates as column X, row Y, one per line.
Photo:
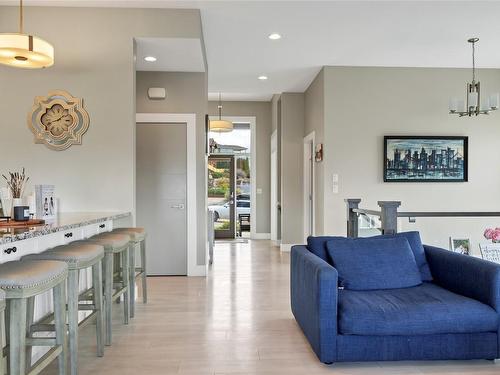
column 222, row 211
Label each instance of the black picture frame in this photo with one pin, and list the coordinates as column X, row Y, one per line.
column 434, row 170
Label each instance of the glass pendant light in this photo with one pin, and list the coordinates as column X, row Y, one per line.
column 220, row 125
column 25, row 51
column 473, row 105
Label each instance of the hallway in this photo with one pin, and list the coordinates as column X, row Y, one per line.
column 236, row 321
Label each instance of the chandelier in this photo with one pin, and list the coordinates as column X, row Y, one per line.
column 220, row 125
column 23, row 50
column 473, row 105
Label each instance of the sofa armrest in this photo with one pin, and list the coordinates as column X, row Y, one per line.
column 462, row 274
column 314, row 301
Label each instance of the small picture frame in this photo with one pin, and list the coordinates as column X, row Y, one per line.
column 490, row 251
column 460, row 245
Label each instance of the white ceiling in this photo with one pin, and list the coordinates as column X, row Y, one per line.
column 357, row 33
column 172, row 54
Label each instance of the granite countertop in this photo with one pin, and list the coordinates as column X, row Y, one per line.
column 63, row 222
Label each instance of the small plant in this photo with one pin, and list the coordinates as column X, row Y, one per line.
column 16, row 183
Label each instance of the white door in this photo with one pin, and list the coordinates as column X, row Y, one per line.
column 161, row 195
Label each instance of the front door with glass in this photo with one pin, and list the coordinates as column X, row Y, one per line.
column 221, row 199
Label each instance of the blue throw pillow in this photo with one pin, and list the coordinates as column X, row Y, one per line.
column 317, row 245
column 372, row 264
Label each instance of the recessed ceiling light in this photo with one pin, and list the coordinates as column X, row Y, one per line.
column 274, row 36
column 262, row 78
column 150, row 58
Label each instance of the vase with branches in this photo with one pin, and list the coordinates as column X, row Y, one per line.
column 16, row 182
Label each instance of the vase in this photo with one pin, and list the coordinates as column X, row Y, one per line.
column 16, row 202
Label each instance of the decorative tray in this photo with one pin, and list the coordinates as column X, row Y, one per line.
column 6, row 222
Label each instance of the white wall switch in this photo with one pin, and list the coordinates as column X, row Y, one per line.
column 335, row 183
column 259, row 191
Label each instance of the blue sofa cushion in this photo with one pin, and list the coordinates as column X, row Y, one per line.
column 422, row 310
column 317, row 245
column 371, row 264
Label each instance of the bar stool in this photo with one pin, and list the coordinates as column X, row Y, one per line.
column 2, row 322
column 137, row 236
column 21, row 281
column 114, row 244
column 78, row 256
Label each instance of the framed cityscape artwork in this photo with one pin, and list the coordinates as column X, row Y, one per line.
column 425, row 159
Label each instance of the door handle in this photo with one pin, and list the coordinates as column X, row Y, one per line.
column 178, row 206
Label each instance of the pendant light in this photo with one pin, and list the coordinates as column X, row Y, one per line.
column 220, row 125
column 23, row 50
column 473, row 105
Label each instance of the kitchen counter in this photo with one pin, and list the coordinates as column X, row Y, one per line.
column 64, row 222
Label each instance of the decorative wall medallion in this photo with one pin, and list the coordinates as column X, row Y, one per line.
column 58, row 120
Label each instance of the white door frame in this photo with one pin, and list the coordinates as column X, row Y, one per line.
column 309, row 141
column 252, row 120
column 193, row 269
column 274, row 190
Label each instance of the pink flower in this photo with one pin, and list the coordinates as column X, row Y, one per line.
column 495, row 236
column 488, row 233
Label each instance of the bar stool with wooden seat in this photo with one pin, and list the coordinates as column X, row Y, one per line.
column 78, row 256
column 137, row 237
column 21, row 281
column 114, row 287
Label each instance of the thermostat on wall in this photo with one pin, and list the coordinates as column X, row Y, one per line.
column 157, row 93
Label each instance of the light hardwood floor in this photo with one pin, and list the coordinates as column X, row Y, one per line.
column 236, row 321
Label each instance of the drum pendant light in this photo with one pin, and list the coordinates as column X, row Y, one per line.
column 23, row 50
column 220, row 125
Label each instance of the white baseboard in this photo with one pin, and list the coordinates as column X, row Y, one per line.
column 261, row 236
column 198, row 270
column 286, row 247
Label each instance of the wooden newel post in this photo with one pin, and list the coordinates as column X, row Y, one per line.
column 389, row 216
column 352, row 217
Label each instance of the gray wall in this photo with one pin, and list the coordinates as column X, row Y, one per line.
column 314, row 114
column 262, row 112
column 292, row 149
column 364, row 104
column 186, row 93
column 94, row 60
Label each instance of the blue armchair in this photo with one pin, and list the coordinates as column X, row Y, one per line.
column 454, row 316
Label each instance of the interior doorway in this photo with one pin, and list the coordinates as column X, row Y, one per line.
column 309, row 145
column 161, row 195
column 231, row 180
column 151, row 215
column 275, row 209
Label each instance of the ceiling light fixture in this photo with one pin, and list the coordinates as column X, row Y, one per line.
column 262, row 78
column 23, row 50
column 274, row 36
column 150, row 59
column 473, row 104
column 220, row 125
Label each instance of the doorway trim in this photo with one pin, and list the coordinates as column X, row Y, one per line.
column 309, row 139
column 252, row 120
column 274, row 190
column 193, row 269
